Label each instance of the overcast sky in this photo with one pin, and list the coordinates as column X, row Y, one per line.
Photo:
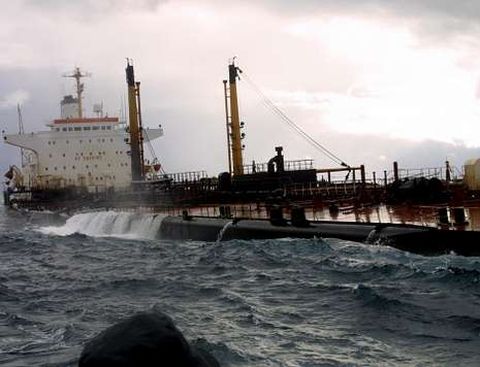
column 372, row 80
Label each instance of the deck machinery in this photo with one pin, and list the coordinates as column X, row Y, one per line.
column 275, row 176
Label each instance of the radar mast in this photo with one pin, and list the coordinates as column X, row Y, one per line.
column 77, row 74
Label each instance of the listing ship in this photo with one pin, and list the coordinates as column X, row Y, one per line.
column 98, row 162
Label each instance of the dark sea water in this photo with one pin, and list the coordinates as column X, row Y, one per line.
column 289, row 302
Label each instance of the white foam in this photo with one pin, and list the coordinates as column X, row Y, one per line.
column 109, row 224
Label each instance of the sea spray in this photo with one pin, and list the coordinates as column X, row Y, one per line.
column 109, row 224
column 223, row 230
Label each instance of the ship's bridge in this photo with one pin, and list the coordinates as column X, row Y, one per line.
column 84, row 124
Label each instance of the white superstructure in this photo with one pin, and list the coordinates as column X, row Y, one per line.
column 77, row 151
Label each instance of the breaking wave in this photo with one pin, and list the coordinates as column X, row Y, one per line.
column 109, row 224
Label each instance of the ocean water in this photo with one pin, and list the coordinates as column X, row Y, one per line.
column 287, row 302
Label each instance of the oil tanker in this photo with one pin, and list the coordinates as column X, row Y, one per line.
column 98, row 162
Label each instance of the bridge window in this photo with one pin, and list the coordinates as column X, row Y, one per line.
column 109, row 128
column 103, row 127
column 86, row 128
column 77, row 129
column 95, row 127
column 64, row 129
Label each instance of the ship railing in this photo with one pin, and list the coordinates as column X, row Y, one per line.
column 294, row 165
column 333, row 189
column 386, row 177
column 341, row 210
column 247, row 211
column 426, row 172
column 189, row 176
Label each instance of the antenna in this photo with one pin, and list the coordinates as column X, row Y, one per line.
column 78, row 75
column 21, row 131
column 98, row 109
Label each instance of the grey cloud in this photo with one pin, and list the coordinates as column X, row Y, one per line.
column 433, row 19
column 92, row 9
column 466, row 9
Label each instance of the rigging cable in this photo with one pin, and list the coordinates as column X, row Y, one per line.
column 152, row 151
column 277, row 111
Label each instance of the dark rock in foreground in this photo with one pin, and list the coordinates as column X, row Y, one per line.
column 146, row 339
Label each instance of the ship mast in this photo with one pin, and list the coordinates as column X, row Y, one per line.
column 234, row 136
column 134, row 118
column 227, row 116
column 21, row 131
column 78, row 75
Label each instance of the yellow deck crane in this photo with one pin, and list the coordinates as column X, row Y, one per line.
column 234, row 126
column 135, row 125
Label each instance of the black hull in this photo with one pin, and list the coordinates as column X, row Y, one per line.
column 415, row 239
